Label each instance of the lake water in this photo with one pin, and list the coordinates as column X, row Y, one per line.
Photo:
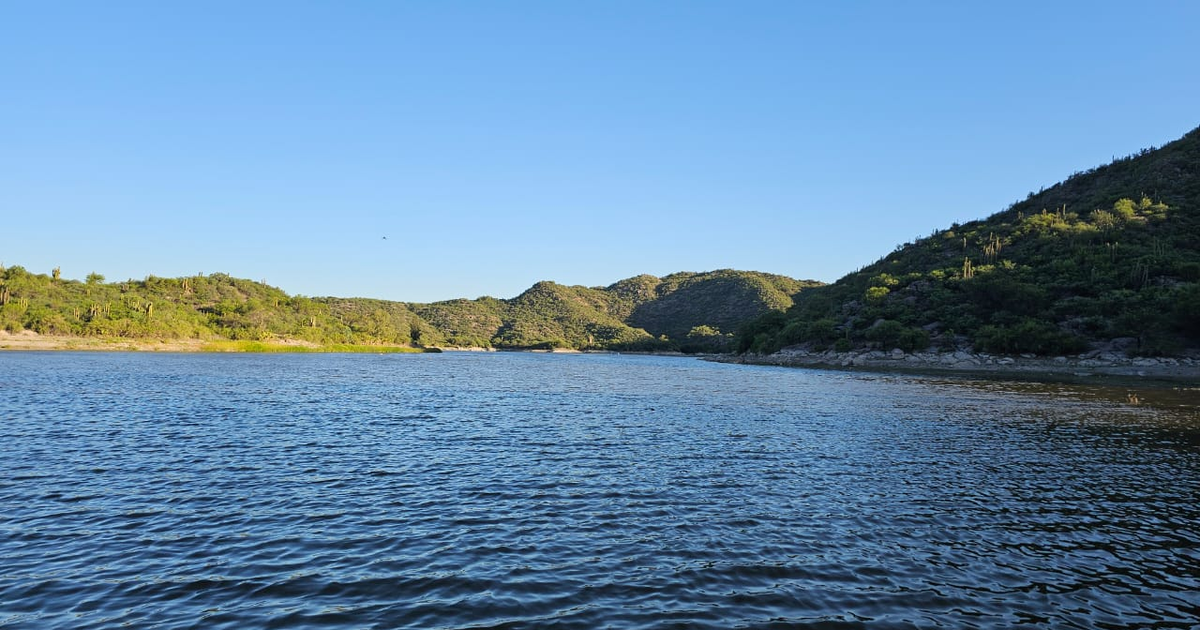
column 504, row 490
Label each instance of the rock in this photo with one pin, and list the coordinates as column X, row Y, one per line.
column 1060, row 360
column 1145, row 362
column 1124, row 343
column 1006, row 361
column 961, row 356
column 897, row 353
column 1028, row 355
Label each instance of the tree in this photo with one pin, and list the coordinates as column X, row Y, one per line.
column 1124, row 209
column 876, row 294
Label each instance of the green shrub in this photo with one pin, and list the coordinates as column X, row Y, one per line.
column 1028, row 335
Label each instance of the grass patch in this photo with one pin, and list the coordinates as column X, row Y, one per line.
column 267, row 347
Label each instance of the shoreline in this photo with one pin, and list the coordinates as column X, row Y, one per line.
column 1087, row 367
column 29, row 341
column 1090, row 366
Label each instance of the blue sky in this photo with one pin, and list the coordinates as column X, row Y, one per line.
column 496, row 144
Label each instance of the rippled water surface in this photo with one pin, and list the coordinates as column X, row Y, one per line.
column 519, row 490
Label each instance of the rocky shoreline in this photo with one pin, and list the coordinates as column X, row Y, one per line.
column 1089, row 364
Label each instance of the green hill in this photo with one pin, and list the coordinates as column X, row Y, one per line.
column 721, row 300
column 1109, row 258
column 694, row 307
column 685, row 311
column 464, row 323
column 550, row 315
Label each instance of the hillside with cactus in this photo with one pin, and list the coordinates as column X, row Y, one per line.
column 1109, row 258
column 686, row 311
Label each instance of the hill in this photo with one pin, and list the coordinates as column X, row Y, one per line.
column 720, row 300
column 693, row 312
column 682, row 311
column 1109, row 258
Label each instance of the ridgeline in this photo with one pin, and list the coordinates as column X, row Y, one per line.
column 1107, row 261
column 690, row 312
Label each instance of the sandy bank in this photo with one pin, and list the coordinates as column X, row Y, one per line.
column 29, row 340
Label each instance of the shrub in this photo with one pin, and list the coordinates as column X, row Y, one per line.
column 876, row 294
column 1028, row 335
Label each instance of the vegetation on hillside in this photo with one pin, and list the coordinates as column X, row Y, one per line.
column 215, row 307
column 683, row 311
column 704, row 309
column 1108, row 258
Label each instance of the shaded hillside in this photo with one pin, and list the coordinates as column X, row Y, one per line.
column 547, row 315
column 720, row 300
column 464, row 323
column 1108, row 258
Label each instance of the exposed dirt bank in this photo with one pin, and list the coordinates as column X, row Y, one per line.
column 29, row 340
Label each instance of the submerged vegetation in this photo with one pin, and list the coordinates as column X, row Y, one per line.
column 684, row 311
column 1108, row 258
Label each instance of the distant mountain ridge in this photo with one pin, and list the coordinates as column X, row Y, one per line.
column 683, row 311
column 1108, row 259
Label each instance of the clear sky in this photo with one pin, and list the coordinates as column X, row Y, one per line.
column 495, row 144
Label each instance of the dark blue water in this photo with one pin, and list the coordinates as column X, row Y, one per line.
column 519, row 490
